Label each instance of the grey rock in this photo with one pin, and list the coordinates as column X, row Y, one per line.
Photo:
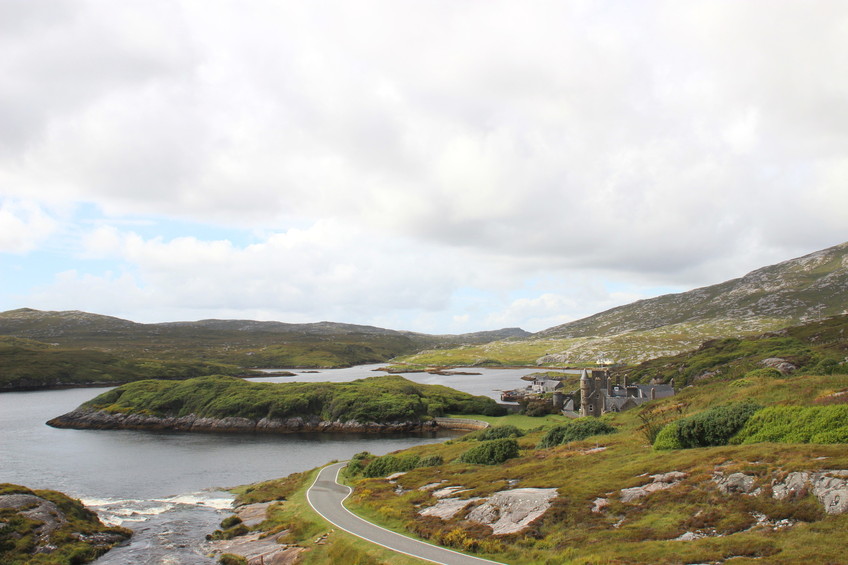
column 511, row 511
column 736, row 483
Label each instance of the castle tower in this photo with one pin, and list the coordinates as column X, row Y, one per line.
column 585, row 391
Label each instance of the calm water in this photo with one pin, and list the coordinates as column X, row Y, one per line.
column 165, row 486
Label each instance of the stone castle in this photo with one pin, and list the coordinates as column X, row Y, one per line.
column 599, row 395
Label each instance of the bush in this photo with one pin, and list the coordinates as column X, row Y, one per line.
column 715, row 426
column 668, row 438
column 388, row 464
column 769, row 372
column 491, row 452
column 797, row 424
column 495, row 432
column 575, row 431
column 431, row 461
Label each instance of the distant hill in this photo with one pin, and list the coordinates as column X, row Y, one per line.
column 241, row 343
column 811, row 287
column 805, row 289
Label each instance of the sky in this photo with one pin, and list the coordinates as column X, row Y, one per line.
column 443, row 166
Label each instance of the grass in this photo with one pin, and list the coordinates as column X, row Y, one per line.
column 28, row 364
column 520, row 421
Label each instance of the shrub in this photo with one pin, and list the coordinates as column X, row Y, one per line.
column 715, row 426
column 495, row 432
column 769, row 372
column 388, row 464
column 491, row 452
column 797, row 424
column 575, row 431
column 667, row 438
column 431, row 461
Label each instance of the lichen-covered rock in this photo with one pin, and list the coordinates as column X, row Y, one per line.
column 829, row 487
column 781, row 365
column 50, row 523
column 658, row 482
column 447, row 508
column 737, row 483
column 511, row 511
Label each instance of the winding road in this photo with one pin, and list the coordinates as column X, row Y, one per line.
column 326, row 496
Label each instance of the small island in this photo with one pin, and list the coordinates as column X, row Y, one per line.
column 229, row 404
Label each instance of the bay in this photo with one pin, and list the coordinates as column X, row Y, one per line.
column 167, row 486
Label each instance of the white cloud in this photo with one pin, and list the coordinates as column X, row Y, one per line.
column 23, row 226
column 397, row 152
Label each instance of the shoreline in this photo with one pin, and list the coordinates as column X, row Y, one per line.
column 84, row 419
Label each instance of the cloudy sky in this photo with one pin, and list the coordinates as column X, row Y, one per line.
column 438, row 166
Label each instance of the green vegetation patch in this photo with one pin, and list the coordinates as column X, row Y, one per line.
column 578, row 430
column 374, row 399
column 491, row 452
column 715, row 426
column 29, row 365
column 388, row 464
column 796, row 424
column 493, row 432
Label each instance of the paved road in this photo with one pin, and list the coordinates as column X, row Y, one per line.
column 326, row 496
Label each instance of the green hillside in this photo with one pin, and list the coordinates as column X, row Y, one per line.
column 242, row 343
column 816, row 348
column 27, row 364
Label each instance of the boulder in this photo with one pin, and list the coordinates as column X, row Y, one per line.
column 737, row 483
column 658, row 482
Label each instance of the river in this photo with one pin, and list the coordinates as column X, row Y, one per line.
column 167, row 486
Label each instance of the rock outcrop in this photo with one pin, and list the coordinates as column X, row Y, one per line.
column 829, row 487
column 48, row 522
column 511, row 511
column 83, row 418
column 658, row 482
column 737, row 483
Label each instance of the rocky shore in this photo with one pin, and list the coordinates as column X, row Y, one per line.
column 90, row 419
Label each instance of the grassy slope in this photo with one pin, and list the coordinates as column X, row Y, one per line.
column 32, row 364
column 571, row 533
column 816, row 347
column 631, row 347
column 373, row 399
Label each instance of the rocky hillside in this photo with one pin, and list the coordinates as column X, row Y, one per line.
column 807, row 288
